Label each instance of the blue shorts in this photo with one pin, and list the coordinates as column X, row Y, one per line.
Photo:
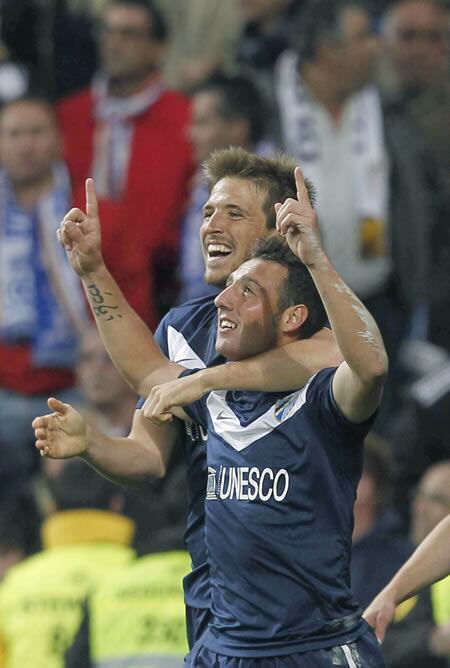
column 363, row 653
column 197, row 620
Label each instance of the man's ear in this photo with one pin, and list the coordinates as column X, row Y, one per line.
column 293, row 318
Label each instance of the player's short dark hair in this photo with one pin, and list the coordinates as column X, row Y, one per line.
column 159, row 30
column 319, row 21
column 239, row 97
column 77, row 485
column 298, row 287
column 274, row 175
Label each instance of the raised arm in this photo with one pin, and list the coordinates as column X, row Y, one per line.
column 429, row 563
column 358, row 382
column 127, row 338
column 132, row 461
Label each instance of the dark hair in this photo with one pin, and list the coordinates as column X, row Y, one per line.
column 319, row 21
column 77, row 485
column 239, row 97
column 159, row 31
column 298, row 287
column 275, row 175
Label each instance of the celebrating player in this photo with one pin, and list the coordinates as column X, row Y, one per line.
column 187, row 335
column 282, row 469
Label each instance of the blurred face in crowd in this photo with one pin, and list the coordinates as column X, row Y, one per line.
column 209, row 130
column 127, row 49
column 233, row 219
column 248, row 314
column 431, row 502
column 415, row 38
column 97, row 377
column 262, row 10
column 356, row 51
column 29, row 141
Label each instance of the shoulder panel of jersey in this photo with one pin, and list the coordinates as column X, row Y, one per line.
column 227, row 424
column 183, row 324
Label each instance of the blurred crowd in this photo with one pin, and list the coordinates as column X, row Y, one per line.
column 137, row 95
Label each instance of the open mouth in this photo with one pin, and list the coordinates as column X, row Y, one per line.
column 225, row 324
column 217, row 251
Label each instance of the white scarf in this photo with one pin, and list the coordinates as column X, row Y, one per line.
column 297, row 123
column 41, row 300
column 114, row 133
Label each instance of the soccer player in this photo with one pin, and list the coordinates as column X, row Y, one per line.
column 187, row 335
column 282, row 468
column 429, row 563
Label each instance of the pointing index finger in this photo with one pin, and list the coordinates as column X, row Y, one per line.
column 91, row 198
column 302, row 191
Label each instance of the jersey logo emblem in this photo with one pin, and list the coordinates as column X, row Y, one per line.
column 211, row 492
column 284, row 406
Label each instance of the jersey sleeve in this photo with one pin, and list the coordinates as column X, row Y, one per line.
column 197, row 411
column 321, row 398
column 161, row 335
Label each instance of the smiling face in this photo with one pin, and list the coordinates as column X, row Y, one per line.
column 233, row 219
column 248, row 313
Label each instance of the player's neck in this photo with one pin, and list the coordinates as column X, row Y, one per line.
column 28, row 193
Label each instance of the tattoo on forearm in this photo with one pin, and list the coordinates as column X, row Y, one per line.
column 102, row 310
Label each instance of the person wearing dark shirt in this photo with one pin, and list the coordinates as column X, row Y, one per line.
column 187, row 335
column 310, row 462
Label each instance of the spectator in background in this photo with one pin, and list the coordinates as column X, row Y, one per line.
column 377, row 531
column 129, row 132
column 108, row 403
column 379, row 549
column 135, row 617
column 226, row 111
column 374, row 203
column 415, row 642
column 415, row 77
column 84, row 539
column 42, row 308
column 266, row 33
column 203, row 35
column 415, row 44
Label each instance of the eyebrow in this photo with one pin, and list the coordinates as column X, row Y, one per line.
column 227, row 206
column 245, row 277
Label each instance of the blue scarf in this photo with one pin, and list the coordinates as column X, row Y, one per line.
column 41, row 301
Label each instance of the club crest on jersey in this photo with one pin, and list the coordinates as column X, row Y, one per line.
column 247, row 483
column 284, row 406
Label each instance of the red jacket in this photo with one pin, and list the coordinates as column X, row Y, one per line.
column 145, row 222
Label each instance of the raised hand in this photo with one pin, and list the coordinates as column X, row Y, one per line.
column 80, row 234
column 61, row 434
column 165, row 401
column 297, row 221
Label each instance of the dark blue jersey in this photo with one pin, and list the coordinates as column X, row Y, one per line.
column 282, row 477
column 187, row 335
